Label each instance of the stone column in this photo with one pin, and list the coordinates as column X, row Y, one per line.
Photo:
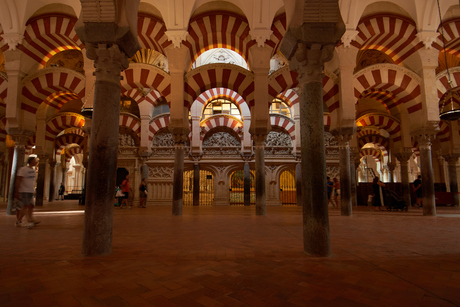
column 42, row 159
column 196, row 184
column 178, row 185
column 391, row 169
column 109, row 61
column 247, row 183
column 259, row 151
column 429, row 202
column 298, row 181
column 403, row 158
column 52, row 164
column 452, row 160
column 354, row 164
column 345, row 176
column 18, row 162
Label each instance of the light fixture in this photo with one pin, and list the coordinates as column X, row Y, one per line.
column 448, row 111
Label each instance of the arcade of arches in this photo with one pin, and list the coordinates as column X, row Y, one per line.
column 210, row 105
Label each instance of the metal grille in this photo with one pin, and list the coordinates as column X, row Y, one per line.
column 237, row 188
column 206, row 188
column 288, row 191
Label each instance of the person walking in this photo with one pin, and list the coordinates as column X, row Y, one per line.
column 125, row 188
column 417, row 188
column 377, row 186
column 336, row 191
column 330, row 188
column 143, row 193
column 24, row 189
column 61, row 192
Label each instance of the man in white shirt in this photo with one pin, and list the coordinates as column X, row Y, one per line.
column 24, row 193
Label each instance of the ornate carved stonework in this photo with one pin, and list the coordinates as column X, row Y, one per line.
column 333, row 171
column 221, row 139
column 162, row 172
column 125, row 140
column 221, row 151
column 72, row 59
column 278, row 139
column 163, row 139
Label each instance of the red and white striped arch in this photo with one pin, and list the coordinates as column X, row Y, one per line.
column 331, row 95
column 390, row 34
column 158, row 124
column 58, row 99
column 46, row 82
column 368, row 130
column 3, row 88
column 220, row 121
column 284, row 123
column 74, row 130
column 451, row 29
column 144, row 76
column 220, row 92
column 382, row 121
column 72, row 151
column 370, row 152
column 151, row 33
column 378, row 140
column 218, row 30
column 327, row 120
column 444, row 132
column 62, row 121
column 212, row 76
column 442, row 82
column 290, row 97
column 2, row 129
column 402, row 83
column 130, row 122
column 67, row 139
column 280, row 81
column 278, row 30
column 3, row 45
column 384, row 97
column 152, row 97
column 47, row 35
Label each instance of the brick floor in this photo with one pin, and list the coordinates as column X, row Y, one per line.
column 228, row 256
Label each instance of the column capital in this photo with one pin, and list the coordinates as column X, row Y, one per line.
column 259, row 140
column 42, row 157
column 52, row 163
column 343, row 139
column 308, row 62
column 109, row 61
column 180, row 138
column 20, row 140
column 425, row 140
column 404, row 155
column 451, row 159
column 176, row 37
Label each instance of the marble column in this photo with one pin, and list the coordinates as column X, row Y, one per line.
column 298, row 181
column 403, row 158
column 247, row 183
column 42, row 161
column 196, row 184
column 452, row 160
column 52, row 164
column 345, row 176
column 18, row 162
column 354, row 164
column 109, row 61
column 259, row 154
column 429, row 202
column 178, row 185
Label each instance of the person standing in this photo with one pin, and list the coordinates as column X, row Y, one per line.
column 143, row 193
column 125, row 188
column 336, row 191
column 24, row 189
column 61, row 192
column 330, row 188
column 377, row 186
column 417, row 187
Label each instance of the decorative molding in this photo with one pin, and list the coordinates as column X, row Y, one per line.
column 260, row 36
column 278, row 139
column 125, row 140
column 13, row 39
column 221, row 139
column 427, row 38
column 162, row 172
column 176, row 37
column 163, row 139
column 348, row 37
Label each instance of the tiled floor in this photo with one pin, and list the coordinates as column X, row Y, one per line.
column 228, row 256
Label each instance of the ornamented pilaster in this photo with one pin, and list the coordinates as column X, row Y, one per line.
column 452, row 160
column 424, row 145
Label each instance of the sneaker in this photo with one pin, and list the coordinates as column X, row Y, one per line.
column 28, row 225
column 18, row 224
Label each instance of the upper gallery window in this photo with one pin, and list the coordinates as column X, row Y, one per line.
column 279, row 107
column 221, row 106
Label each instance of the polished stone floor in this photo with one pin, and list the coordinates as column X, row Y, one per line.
column 228, row 256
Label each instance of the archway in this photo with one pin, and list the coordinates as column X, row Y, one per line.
column 288, row 191
column 236, row 188
column 206, row 188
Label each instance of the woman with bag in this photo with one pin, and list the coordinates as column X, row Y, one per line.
column 143, row 193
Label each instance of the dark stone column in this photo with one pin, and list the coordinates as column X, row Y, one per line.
column 196, row 184
column 298, row 182
column 52, row 164
column 345, row 176
column 429, row 202
column 354, row 164
column 178, row 185
column 247, row 184
column 403, row 158
column 259, row 151
column 452, row 160
column 18, row 162
column 109, row 61
column 42, row 159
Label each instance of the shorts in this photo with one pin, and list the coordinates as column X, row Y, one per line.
column 24, row 200
column 126, row 195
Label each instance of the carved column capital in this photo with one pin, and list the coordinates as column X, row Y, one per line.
column 109, row 61
column 309, row 62
column 259, row 140
column 52, row 163
column 404, row 155
column 451, row 159
column 20, row 140
column 425, row 140
column 180, row 139
column 343, row 140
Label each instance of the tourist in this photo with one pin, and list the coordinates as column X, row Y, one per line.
column 24, row 189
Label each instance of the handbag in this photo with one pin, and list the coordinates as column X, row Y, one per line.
column 119, row 193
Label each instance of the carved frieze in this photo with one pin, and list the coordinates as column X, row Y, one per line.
column 161, row 172
column 278, row 139
column 163, row 139
column 221, row 139
column 125, row 140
